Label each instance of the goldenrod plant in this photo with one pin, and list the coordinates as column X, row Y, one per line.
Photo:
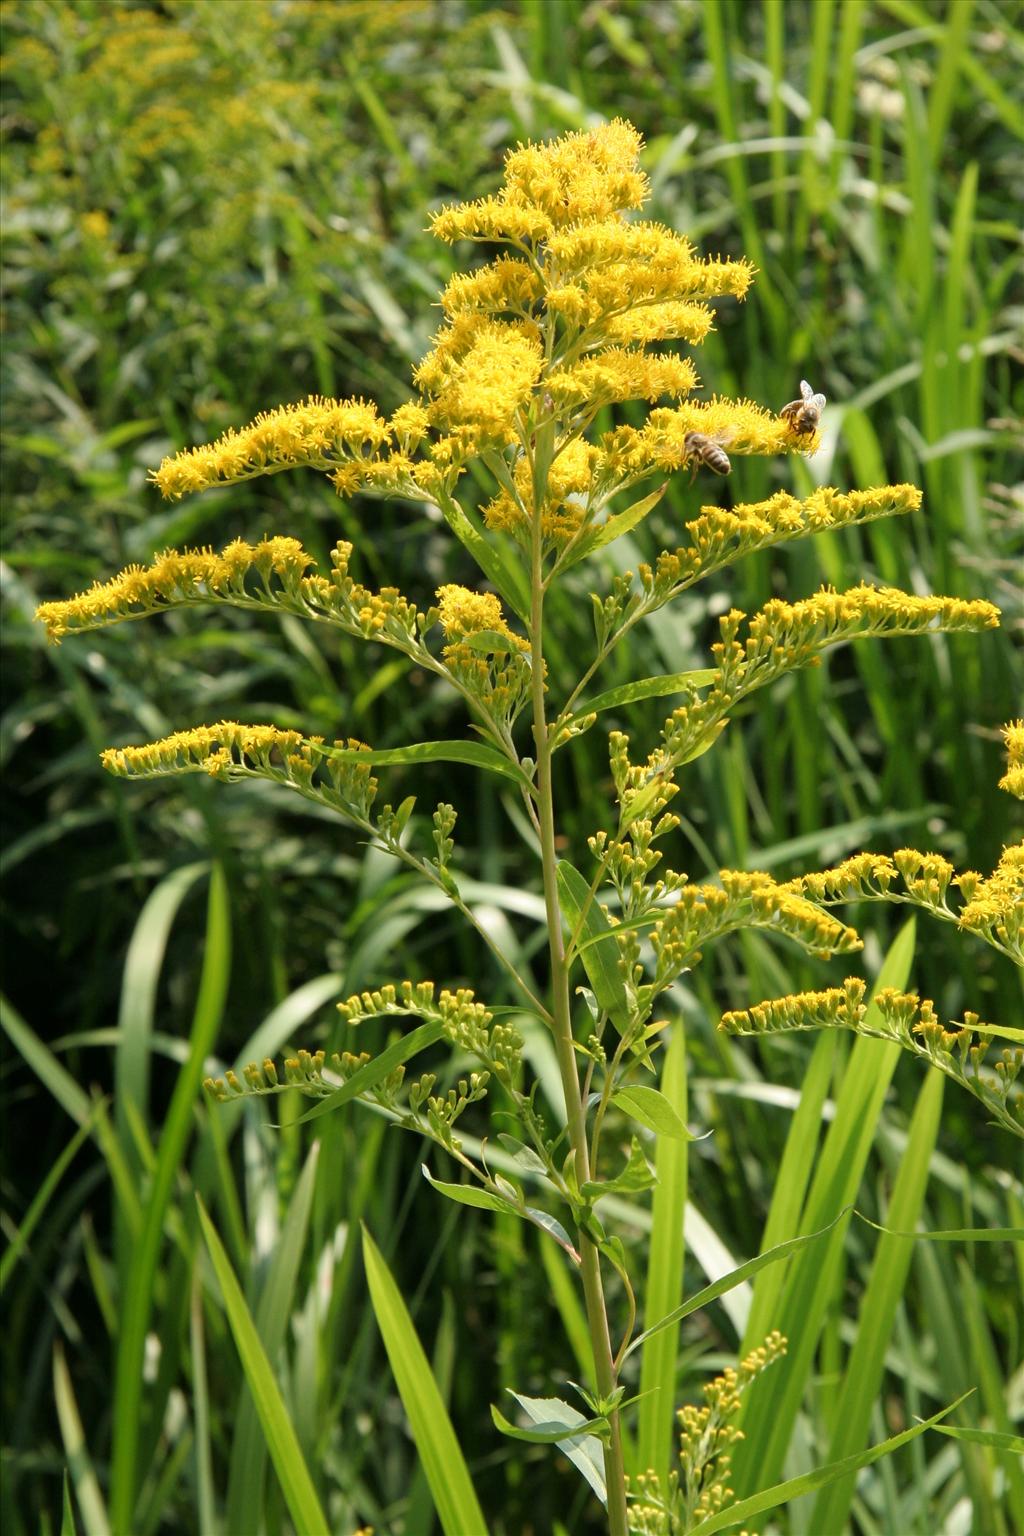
column 583, row 309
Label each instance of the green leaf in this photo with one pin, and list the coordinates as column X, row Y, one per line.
column 489, row 640
column 730, row 1281
column 862, row 1378
column 468, row 1194
column 599, row 961
column 656, row 1421
column 995, row 1439
column 811, row 1281
column 373, row 1071
column 782, row 1493
column 246, row 1472
column 442, row 1459
column 477, row 753
column 654, row 1110
column 87, row 1488
column 648, row 688
column 67, row 1513
column 552, row 1433
column 491, row 555
column 586, row 1455
column 637, row 1175
column 278, row 1430
column 137, row 1300
column 614, row 528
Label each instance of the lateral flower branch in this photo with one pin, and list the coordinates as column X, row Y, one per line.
column 583, row 308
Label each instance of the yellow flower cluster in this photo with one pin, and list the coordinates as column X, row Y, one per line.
column 620, row 373
column 839, row 1007
column 464, row 612
column 480, row 374
column 200, row 576
column 783, row 636
column 743, row 899
column 319, row 432
column 1013, row 778
column 213, row 749
column 174, row 578
column 573, row 482
column 995, row 906
column 741, row 426
column 718, row 537
column 464, row 1022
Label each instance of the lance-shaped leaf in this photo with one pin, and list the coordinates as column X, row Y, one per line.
column 373, row 1071
column 622, row 522
column 600, row 960
column 653, row 1110
column 476, row 753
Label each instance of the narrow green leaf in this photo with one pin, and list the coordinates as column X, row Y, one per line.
column 278, row 1430
column 648, row 688
column 586, row 1455
column 371, row 1072
column 206, row 1511
column 599, row 962
column 614, row 528
column 137, row 1300
column 862, row 1379
column 665, row 1265
column 996, row 1439
column 546, row 1434
column 637, row 1175
column 654, row 1110
column 443, row 1462
column 810, row 1284
column 476, row 753
column 44, row 1064
column 87, row 1488
column 44, row 1195
column 953, row 1234
column 468, row 1194
column 782, row 1493
column 246, row 1474
column 67, row 1513
column 491, row 555
column 730, row 1281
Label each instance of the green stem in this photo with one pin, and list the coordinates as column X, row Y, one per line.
column 593, row 1290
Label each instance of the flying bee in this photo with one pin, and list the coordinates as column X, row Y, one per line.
column 708, row 451
column 804, row 414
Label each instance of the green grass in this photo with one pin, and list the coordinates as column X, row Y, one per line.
column 863, row 155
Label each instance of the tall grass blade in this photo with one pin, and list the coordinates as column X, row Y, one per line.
column 278, row 1431
column 809, row 1287
column 443, row 1462
column 276, row 1302
column 87, row 1488
column 665, row 1266
column 866, row 1366
column 138, row 1282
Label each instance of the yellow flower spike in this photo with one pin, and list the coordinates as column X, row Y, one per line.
column 479, row 374
column 318, row 432
column 463, row 613
column 501, row 285
column 579, row 176
column 1013, row 779
column 620, row 373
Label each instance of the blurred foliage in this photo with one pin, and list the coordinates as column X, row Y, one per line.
column 210, row 208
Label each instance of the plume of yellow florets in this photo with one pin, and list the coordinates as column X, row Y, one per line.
column 1013, row 778
column 174, row 578
column 464, row 613
column 318, row 432
column 480, row 373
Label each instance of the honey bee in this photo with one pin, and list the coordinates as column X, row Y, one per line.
column 803, row 415
column 708, row 451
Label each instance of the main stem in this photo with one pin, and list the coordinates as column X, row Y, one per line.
column 593, row 1290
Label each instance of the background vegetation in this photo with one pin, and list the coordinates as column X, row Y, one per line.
column 212, row 208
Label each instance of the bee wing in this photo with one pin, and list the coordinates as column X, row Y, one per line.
column 725, row 437
column 806, row 390
column 810, row 398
